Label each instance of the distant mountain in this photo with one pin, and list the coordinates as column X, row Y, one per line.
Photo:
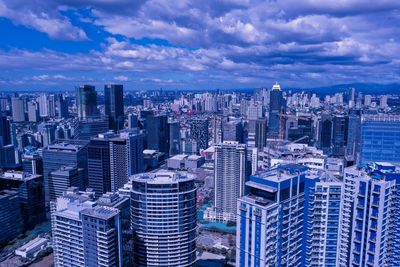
column 367, row 88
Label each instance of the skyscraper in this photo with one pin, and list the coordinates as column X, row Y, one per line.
column 85, row 234
column 339, row 137
column 18, row 109
column 325, row 132
column 157, row 133
column 55, row 156
column 230, row 174
column 30, row 188
column 288, row 217
column 99, row 169
column 33, row 112
column 233, row 131
column 126, row 157
column 380, row 138
column 86, row 128
column 43, row 105
column 62, row 106
column 65, row 177
column 10, row 216
column 164, row 228
column 114, row 105
column 5, row 135
column 174, row 138
column 370, row 222
column 277, row 106
column 199, row 132
column 86, row 101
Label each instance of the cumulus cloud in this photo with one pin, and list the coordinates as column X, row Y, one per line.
column 215, row 43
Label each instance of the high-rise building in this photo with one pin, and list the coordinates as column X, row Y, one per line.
column 370, row 222
column 85, row 234
column 174, row 138
column 288, row 217
column 65, row 177
column 30, row 188
column 383, row 101
column 325, row 133
column 354, row 134
column 43, row 105
column 164, row 228
column 114, row 105
column 339, row 136
column 33, row 112
column 10, row 216
column 86, row 101
column 32, row 162
column 380, row 138
column 5, row 134
column 99, row 169
column 230, row 174
column 86, row 128
column 18, row 109
column 233, row 131
column 199, row 132
column 126, row 157
column 62, row 106
column 277, row 106
column 132, row 121
column 55, row 156
column 157, row 133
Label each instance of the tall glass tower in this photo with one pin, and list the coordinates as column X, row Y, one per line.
column 380, row 138
column 164, row 223
column 114, row 105
column 86, row 101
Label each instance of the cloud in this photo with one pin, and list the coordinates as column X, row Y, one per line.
column 212, row 43
column 121, row 78
column 44, row 19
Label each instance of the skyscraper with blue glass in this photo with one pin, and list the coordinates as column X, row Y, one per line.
column 380, row 138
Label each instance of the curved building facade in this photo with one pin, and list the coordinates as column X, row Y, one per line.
column 164, row 223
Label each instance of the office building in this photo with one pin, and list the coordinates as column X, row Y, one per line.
column 18, row 109
column 61, row 106
column 84, row 129
column 132, row 121
column 32, row 162
column 230, row 174
column 65, row 177
column 114, row 105
column 71, row 153
column 5, row 134
column 354, row 134
column 33, row 112
column 164, row 228
column 325, row 133
column 233, row 131
column 380, row 138
column 339, row 135
column 30, row 188
column 96, row 238
column 99, row 169
column 43, row 105
column 369, row 216
column 277, row 106
column 199, row 132
column 126, row 157
column 174, row 138
column 86, row 101
column 10, row 216
column 157, row 133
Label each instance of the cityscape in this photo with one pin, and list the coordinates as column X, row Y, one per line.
column 226, row 133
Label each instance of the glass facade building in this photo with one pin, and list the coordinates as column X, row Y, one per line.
column 380, row 138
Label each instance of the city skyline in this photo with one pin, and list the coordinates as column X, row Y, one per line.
column 187, row 45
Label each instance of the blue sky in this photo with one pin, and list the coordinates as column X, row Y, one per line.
column 191, row 44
